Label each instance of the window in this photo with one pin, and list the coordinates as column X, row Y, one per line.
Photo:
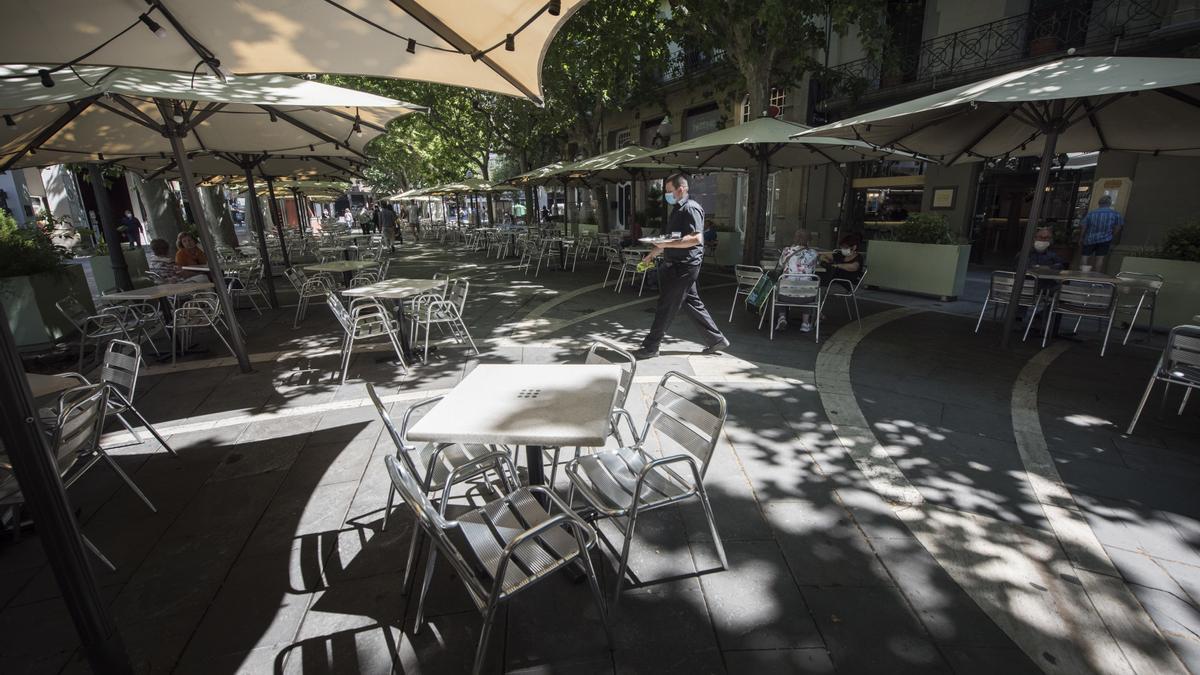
column 778, row 98
column 618, row 139
column 701, row 120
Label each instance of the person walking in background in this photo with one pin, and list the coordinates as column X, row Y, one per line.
column 679, row 271
column 386, row 220
column 1099, row 228
column 132, row 228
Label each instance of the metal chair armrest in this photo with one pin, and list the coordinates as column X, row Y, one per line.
column 472, row 467
column 654, row 464
column 619, row 413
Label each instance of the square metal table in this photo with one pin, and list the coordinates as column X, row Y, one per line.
column 535, row 405
column 45, row 385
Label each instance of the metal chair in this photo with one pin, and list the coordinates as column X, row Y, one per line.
column 1146, row 287
column 612, row 256
column 603, row 352
column 366, row 320
column 848, row 291
column 192, row 315
column 1000, row 291
column 686, row 417
column 446, row 312
column 502, row 548
column 629, row 266
column 119, row 372
column 1096, row 299
column 1178, row 364
column 107, row 324
column 306, row 288
column 795, row 290
column 77, row 436
column 747, row 277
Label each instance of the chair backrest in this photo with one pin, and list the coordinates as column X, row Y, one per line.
column 747, row 275
column 73, row 310
column 295, row 277
column 688, row 414
column 1002, row 286
column 613, row 255
column 122, row 361
column 1088, row 297
column 457, row 293
column 80, row 420
column 798, row 286
column 339, row 312
column 605, row 352
column 1183, row 351
column 1144, row 291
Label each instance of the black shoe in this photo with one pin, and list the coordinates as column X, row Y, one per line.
column 717, row 348
column 642, row 353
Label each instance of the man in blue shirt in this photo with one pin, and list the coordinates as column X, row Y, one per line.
column 1099, row 228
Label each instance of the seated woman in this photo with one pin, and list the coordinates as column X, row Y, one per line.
column 799, row 258
column 189, row 252
column 162, row 265
column 844, row 263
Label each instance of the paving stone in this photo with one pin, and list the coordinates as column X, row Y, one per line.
column 779, row 661
column 755, row 604
column 898, row 642
column 823, row 547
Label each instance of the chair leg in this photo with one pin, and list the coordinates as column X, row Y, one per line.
column 594, row 584
column 1137, row 310
column 712, row 521
column 152, row 430
column 1049, row 322
column 857, row 311
column 1183, row 404
column 733, row 305
column 986, row 300
column 95, row 551
column 137, row 438
column 414, row 544
column 489, row 617
column 623, row 564
column 430, row 561
column 1032, row 315
column 1107, row 331
column 128, row 481
column 1145, row 396
column 468, row 334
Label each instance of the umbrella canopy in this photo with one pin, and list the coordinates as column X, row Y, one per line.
column 744, row 146
column 1073, row 105
column 95, row 113
column 455, row 43
column 213, row 167
column 1108, row 103
column 537, row 176
column 467, row 185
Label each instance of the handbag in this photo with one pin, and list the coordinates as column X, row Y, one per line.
column 756, row 299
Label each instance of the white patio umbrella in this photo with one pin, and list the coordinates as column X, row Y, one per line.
column 495, row 45
column 766, row 144
column 97, row 114
column 1073, row 105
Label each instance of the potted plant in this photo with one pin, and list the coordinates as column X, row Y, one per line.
column 1177, row 261
column 32, row 279
column 924, row 256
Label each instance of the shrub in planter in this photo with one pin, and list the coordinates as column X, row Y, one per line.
column 1182, row 243
column 32, row 279
column 1177, row 261
column 925, row 257
column 26, row 251
column 926, row 228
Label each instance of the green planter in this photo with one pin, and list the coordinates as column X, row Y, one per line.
column 29, row 305
column 1179, row 299
column 102, row 271
column 928, row 269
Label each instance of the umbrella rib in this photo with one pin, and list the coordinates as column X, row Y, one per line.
column 209, row 110
column 1172, row 92
column 146, row 119
column 309, row 129
column 837, row 165
column 206, row 55
column 1091, row 116
column 365, row 123
column 132, row 118
column 161, row 171
column 910, row 132
column 439, row 28
column 73, row 110
column 975, row 141
column 328, row 163
column 712, row 156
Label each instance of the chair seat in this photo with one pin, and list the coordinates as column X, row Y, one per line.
column 452, row 457
column 1184, row 372
column 371, row 329
column 489, row 529
column 608, row 479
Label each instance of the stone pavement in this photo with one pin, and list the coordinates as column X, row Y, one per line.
column 903, row 497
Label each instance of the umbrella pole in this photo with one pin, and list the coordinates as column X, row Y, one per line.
column 1035, row 212
column 214, row 261
column 256, row 211
column 277, row 216
column 25, row 440
column 116, row 255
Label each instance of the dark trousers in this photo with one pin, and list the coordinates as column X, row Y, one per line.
column 677, row 289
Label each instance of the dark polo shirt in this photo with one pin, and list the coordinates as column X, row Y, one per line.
column 687, row 217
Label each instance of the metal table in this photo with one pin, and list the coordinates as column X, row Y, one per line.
column 398, row 290
column 534, row 405
column 345, row 267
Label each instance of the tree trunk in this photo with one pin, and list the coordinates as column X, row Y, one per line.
column 756, row 73
column 600, row 194
column 162, row 216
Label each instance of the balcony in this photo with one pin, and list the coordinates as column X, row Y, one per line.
column 1100, row 27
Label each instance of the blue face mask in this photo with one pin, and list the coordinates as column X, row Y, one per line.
column 670, row 197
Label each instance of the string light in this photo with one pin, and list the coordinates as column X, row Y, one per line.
column 47, row 81
column 271, row 114
column 554, row 7
column 9, row 122
column 510, row 43
column 100, row 155
column 412, row 46
column 158, row 30
column 177, row 117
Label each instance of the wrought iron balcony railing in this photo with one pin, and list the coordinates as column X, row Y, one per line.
column 1046, row 30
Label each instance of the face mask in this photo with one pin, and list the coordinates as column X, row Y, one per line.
column 670, row 197
column 128, row 214
column 846, row 253
column 1041, row 246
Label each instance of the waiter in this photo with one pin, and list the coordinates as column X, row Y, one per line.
column 679, row 271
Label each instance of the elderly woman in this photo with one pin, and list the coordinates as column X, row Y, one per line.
column 188, row 251
column 845, row 262
column 799, row 258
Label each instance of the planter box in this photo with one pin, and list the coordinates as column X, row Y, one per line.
column 1179, row 299
column 927, row 269
column 102, row 272
column 29, row 305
